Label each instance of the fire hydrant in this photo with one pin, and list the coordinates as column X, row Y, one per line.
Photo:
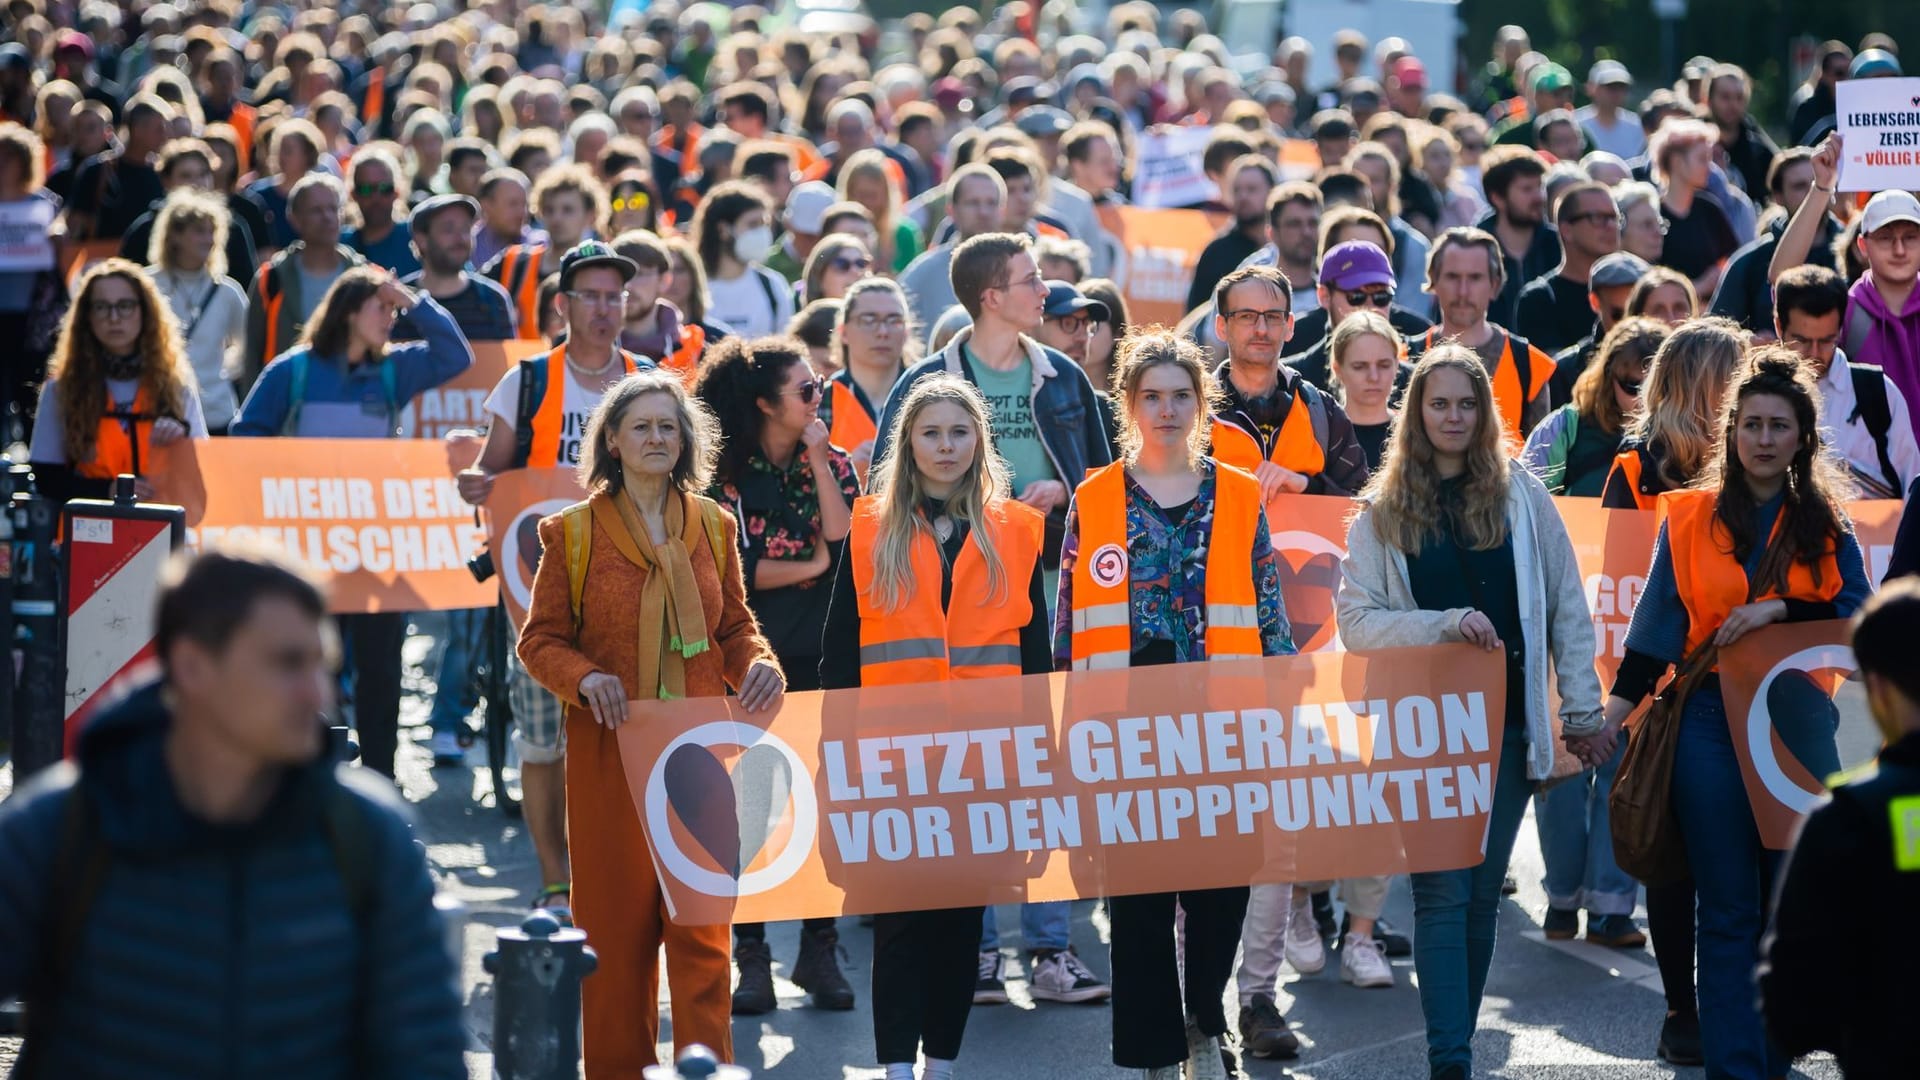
column 696, row 1063
column 536, row 973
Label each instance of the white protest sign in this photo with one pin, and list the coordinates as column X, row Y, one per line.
column 1879, row 121
column 24, row 243
column 1170, row 172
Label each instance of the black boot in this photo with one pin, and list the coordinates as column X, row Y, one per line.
column 817, row 971
column 754, row 997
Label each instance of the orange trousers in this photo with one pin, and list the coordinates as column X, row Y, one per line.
column 618, row 902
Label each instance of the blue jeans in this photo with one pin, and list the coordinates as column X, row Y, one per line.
column 1734, row 875
column 456, row 694
column 1454, row 918
column 1044, row 926
column 1576, row 841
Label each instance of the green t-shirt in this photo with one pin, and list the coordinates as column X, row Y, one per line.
column 1009, row 395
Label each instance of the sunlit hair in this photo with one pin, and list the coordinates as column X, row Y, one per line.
column 184, row 209
column 830, row 247
column 1811, row 519
column 1405, row 495
column 901, row 490
column 1355, row 326
column 1631, row 341
column 79, row 360
column 600, row 472
column 736, row 376
column 1151, row 347
column 1655, row 278
column 29, row 151
column 1680, row 401
column 867, row 286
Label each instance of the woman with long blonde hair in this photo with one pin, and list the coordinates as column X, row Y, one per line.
column 1672, row 434
column 1456, row 545
column 1761, row 536
column 118, row 386
column 1179, row 542
column 864, row 179
column 939, row 549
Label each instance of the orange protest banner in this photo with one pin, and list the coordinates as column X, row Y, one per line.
column 521, row 497
column 1162, row 248
column 1050, row 787
column 1614, row 549
column 1874, row 523
column 380, row 516
column 1310, row 536
column 1779, row 683
column 459, row 402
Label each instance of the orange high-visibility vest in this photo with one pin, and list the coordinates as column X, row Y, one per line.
column 114, row 450
column 520, row 276
column 549, row 417
column 1633, row 465
column 1711, row 582
column 923, row 643
column 685, row 360
column 1294, row 446
column 1507, row 392
column 852, row 423
column 1102, row 582
column 268, row 286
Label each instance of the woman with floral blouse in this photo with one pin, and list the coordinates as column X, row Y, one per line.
column 792, row 494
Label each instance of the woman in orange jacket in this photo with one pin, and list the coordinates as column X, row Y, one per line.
column 941, row 512
column 640, row 598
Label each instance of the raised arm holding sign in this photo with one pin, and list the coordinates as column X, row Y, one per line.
column 1880, row 121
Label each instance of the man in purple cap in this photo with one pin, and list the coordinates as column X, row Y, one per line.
column 1882, row 324
column 1354, row 276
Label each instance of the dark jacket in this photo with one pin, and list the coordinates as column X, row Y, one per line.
column 224, row 951
column 1856, row 845
column 1750, row 156
column 1541, row 257
column 1065, row 407
column 1345, row 472
column 1745, row 295
column 1310, row 330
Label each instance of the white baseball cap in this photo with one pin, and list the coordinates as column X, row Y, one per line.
column 807, row 207
column 1888, row 207
column 1607, row 72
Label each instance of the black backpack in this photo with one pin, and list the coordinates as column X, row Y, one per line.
column 1871, row 407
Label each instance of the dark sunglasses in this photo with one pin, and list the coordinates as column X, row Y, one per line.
column 1381, row 299
column 1630, row 386
column 846, row 264
column 807, row 391
column 370, row 190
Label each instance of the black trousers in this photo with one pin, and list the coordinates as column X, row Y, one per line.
column 374, row 641
column 1670, row 923
column 924, row 966
column 1150, row 1005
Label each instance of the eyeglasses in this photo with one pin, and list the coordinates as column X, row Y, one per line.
column 1603, row 217
column 114, row 309
column 871, row 321
column 806, row 391
column 1074, row 324
column 847, row 264
column 1247, row 319
column 367, row 191
column 639, row 202
column 1036, row 283
column 601, row 300
column 1380, row 299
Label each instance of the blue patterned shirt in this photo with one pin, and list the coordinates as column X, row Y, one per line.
column 1167, row 563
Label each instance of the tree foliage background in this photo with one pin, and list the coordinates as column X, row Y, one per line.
column 1756, row 34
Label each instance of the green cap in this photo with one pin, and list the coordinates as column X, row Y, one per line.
column 1552, row 77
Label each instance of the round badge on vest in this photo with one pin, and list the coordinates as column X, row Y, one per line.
column 1108, row 566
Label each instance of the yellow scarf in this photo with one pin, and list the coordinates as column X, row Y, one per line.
column 673, row 623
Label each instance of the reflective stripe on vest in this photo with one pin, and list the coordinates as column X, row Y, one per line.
column 114, row 451
column 1294, row 446
column 1507, row 392
column 1711, row 582
column 520, row 276
column 549, row 418
column 919, row 642
column 1102, row 624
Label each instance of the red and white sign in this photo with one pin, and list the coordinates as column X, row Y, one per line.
column 113, row 578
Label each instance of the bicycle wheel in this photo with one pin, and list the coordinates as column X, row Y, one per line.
column 499, row 712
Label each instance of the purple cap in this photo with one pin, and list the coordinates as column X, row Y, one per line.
column 1354, row 264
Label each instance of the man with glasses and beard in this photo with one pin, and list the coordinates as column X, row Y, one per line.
column 1554, row 309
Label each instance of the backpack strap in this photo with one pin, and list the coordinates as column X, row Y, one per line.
column 1316, row 409
column 533, row 389
column 773, row 298
column 298, row 364
column 579, row 533
column 1870, row 406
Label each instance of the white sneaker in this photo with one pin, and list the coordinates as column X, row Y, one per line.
column 1363, row 964
column 1304, row 949
column 1203, row 1056
column 447, row 751
column 1060, row 976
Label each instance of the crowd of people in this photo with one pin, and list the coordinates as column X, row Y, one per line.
column 829, row 316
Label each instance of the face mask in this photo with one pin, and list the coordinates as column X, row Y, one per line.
column 753, row 245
